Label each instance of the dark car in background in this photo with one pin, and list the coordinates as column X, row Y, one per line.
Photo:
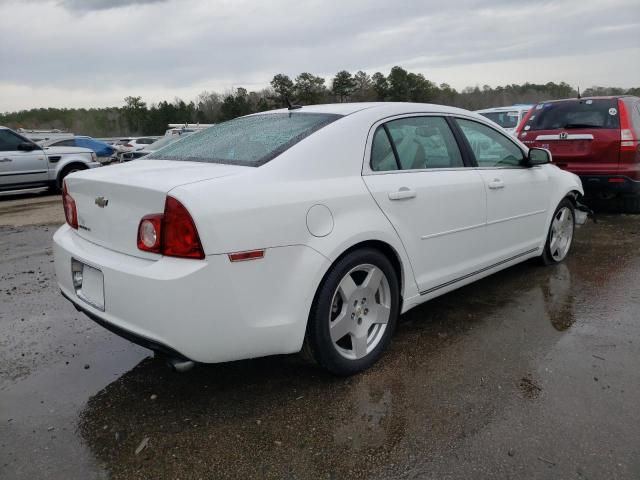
column 104, row 151
column 595, row 138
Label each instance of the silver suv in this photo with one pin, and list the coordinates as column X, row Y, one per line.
column 26, row 166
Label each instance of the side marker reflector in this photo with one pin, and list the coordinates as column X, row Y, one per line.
column 244, row 256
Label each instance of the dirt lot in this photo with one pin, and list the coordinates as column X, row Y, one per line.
column 531, row 373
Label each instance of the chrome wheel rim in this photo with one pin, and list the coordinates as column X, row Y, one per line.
column 561, row 234
column 360, row 311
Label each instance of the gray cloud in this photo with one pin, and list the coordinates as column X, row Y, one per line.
column 88, row 5
column 171, row 46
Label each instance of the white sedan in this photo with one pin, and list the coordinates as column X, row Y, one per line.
column 313, row 227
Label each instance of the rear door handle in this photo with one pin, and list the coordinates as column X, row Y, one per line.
column 6, row 160
column 496, row 184
column 402, row 193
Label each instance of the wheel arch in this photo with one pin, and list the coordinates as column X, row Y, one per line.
column 387, row 250
column 67, row 166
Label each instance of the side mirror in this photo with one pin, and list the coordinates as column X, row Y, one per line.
column 538, row 156
column 27, row 146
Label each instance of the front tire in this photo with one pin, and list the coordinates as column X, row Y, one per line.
column 560, row 236
column 354, row 313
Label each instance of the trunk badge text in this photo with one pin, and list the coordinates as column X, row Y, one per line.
column 102, row 202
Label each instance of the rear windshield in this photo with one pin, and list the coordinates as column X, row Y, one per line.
column 250, row 141
column 504, row 119
column 585, row 113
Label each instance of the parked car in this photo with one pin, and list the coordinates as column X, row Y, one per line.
column 316, row 226
column 26, row 166
column 135, row 144
column 596, row 138
column 158, row 144
column 105, row 152
column 507, row 117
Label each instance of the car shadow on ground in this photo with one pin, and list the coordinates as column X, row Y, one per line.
column 283, row 416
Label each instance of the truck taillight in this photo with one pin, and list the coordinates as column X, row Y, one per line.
column 69, row 204
column 628, row 140
column 172, row 233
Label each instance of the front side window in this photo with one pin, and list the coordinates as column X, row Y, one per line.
column 491, row 148
column 9, row 141
column 65, row 143
column 250, row 141
column 420, row 143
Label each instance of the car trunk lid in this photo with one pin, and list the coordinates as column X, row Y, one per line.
column 111, row 201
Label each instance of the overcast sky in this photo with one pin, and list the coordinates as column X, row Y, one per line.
column 73, row 53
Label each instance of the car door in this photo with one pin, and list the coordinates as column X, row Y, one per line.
column 20, row 168
column 418, row 177
column 517, row 195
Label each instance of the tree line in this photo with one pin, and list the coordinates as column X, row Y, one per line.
column 400, row 85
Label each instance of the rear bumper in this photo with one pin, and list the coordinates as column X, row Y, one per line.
column 611, row 183
column 207, row 310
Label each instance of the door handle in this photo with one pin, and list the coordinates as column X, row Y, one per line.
column 496, row 184
column 402, row 193
column 6, row 160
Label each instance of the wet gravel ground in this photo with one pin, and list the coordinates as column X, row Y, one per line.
column 531, row 373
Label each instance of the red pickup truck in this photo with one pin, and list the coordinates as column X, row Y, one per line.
column 595, row 138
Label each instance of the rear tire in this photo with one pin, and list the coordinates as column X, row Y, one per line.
column 631, row 204
column 75, row 167
column 560, row 235
column 354, row 313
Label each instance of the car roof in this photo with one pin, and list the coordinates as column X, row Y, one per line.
column 600, row 97
column 384, row 108
column 506, row 109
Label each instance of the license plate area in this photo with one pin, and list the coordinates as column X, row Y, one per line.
column 88, row 283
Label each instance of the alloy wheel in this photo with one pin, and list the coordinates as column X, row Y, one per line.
column 360, row 311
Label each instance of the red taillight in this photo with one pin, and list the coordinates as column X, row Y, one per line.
column 69, row 204
column 179, row 235
column 128, row 145
column 628, row 140
column 150, row 233
column 171, row 233
column 524, row 122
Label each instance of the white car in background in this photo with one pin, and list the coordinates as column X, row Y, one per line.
column 26, row 167
column 507, row 117
column 135, row 144
column 157, row 145
column 314, row 226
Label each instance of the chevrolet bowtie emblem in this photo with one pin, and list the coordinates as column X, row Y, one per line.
column 102, row 202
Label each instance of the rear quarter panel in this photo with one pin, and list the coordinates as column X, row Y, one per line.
column 267, row 207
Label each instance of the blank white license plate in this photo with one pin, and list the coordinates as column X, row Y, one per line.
column 92, row 290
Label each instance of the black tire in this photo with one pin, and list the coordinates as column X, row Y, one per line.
column 632, row 204
column 74, row 167
column 318, row 342
column 547, row 257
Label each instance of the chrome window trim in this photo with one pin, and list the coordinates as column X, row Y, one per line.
column 366, row 163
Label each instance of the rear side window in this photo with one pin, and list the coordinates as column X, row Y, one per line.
column 504, row 119
column 420, row 143
column 250, row 141
column 382, row 157
column 565, row 115
column 491, row 148
column 65, row 143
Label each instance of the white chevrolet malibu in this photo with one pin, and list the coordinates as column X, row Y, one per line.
column 313, row 227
